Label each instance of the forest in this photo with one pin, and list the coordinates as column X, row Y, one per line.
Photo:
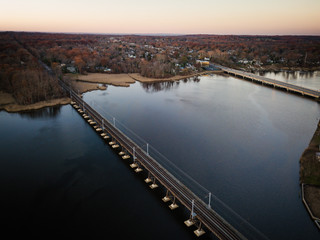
column 32, row 63
column 22, row 75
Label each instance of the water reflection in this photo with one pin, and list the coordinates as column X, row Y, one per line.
column 289, row 74
column 307, row 74
column 166, row 85
column 44, row 113
column 307, row 79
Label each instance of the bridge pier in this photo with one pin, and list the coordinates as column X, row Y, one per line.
column 138, row 169
column 149, row 178
column 199, row 232
column 122, row 152
column 134, row 165
column 173, row 205
column 153, row 185
column 103, row 134
column 166, row 198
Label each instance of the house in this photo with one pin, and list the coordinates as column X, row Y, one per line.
column 71, row 69
column 203, row 63
column 318, row 156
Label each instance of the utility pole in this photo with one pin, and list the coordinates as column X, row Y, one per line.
column 147, row 149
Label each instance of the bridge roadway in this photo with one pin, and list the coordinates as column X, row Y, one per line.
column 206, row 215
column 275, row 83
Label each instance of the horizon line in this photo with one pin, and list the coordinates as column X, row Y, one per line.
column 162, row 34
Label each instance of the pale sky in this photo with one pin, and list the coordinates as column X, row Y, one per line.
column 281, row 17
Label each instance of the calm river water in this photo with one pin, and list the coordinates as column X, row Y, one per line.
column 303, row 79
column 241, row 141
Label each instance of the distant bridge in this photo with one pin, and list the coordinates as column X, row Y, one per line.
column 201, row 213
column 271, row 82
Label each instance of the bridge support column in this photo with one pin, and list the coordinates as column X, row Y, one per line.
column 122, row 152
column 148, row 179
column 138, row 169
column 166, row 198
column 153, row 185
column 134, row 165
column 173, row 205
column 199, row 232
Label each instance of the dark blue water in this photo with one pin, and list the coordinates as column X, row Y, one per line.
column 58, row 179
column 239, row 140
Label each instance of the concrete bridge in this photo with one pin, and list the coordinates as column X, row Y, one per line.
column 271, row 82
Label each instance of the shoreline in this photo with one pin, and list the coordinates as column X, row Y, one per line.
column 86, row 83
column 8, row 103
column 91, row 81
column 138, row 77
column 310, row 177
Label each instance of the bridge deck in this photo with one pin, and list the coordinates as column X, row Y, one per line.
column 272, row 82
column 207, row 216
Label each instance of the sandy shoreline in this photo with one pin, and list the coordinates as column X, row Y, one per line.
column 121, row 80
column 8, row 103
column 93, row 81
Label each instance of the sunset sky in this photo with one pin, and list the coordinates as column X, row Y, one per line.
column 163, row 16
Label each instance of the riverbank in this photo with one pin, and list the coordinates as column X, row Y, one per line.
column 97, row 81
column 121, row 79
column 310, row 175
column 9, row 104
column 86, row 83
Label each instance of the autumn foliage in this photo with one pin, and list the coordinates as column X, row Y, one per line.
column 22, row 75
column 23, row 56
